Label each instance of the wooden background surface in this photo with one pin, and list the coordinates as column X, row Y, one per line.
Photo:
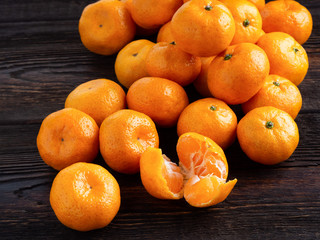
column 42, row 60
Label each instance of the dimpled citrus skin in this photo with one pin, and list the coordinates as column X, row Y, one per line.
column 106, row 26
column 68, row 136
column 268, row 145
column 210, row 117
column 85, row 196
column 287, row 57
column 247, row 20
column 124, row 136
column 289, row 17
column 277, row 92
column 202, row 32
column 130, row 62
column 153, row 13
column 166, row 60
column 98, row 98
column 238, row 73
column 159, row 98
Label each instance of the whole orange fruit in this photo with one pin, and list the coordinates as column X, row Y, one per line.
column 124, row 136
column 210, row 117
column 247, row 19
column 201, row 82
column 277, row 92
column 85, row 196
column 287, row 57
column 130, row 62
column 268, row 135
column 165, row 33
column 98, row 98
column 287, row 16
column 106, row 26
column 238, row 73
column 153, row 13
column 159, row 98
column 203, row 27
column 166, row 60
column 66, row 137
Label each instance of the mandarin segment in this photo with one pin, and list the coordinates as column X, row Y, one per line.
column 124, row 136
column 68, row 136
column 160, row 177
column 85, row 196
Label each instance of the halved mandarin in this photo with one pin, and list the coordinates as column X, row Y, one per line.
column 160, row 177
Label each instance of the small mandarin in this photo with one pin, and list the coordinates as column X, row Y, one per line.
column 201, row 82
column 106, row 26
column 98, row 98
column 165, row 33
column 85, row 196
column 124, row 136
column 130, row 62
column 277, row 92
column 166, row 60
column 68, row 136
column 159, row 98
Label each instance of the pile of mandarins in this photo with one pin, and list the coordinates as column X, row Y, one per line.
column 232, row 51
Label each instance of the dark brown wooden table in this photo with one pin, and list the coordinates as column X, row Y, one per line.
column 42, row 60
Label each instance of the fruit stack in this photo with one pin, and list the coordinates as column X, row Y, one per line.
column 233, row 52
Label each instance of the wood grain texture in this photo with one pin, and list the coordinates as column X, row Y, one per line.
column 42, row 60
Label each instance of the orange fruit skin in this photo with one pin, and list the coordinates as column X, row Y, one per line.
column 202, row 32
column 130, row 62
column 161, row 99
column 289, row 17
column 246, row 31
column 239, row 78
column 201, row 82
column 153, row 13
column 219, row 124
column 106, row 26
column 277, row 92
column 284, row 60
column 268, row 145
column 166, row 60
column 260, row 4
column 165, row 33
column 124, row 136
column 160, row 177
column 98, row 98
column 66, row 137
column 85, row 196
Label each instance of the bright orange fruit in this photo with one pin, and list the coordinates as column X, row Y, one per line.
column 66, row 137
column 268, row 135
column 124, row 136
column 201, row 82
column 85, row 196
